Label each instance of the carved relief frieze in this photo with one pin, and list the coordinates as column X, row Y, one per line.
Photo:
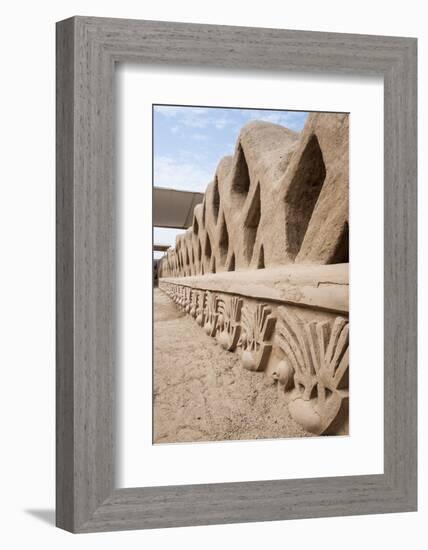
column 229, row 322
column 314, row 368
column 308, row 359
column 200, row 310
column 211, row 313
column 193, row 303
column 255, row 342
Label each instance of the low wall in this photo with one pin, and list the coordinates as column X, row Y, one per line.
column 290, row 322
column 263, row 268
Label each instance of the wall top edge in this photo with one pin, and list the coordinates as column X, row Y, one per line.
column 316, row 286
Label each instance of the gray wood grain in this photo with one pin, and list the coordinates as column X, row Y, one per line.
column 87, row 49
column 64, row 278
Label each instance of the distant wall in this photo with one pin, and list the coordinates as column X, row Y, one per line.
column 281, row 198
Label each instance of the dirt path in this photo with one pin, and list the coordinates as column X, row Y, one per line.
column 201, row 391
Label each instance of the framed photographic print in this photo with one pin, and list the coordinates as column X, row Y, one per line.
column 236, row 274
column 261, row 220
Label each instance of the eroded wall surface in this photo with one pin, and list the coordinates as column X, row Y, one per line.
column 264, row 266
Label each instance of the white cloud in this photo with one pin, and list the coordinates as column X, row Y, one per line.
column 290, row 119
column 170, row 111
column 203, row 117
column 186, row 176
column 186, row 156
column 195, row 117
column 200, row 137
column 222, row 122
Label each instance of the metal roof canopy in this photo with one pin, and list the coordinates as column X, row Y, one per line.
column 174, row 208
column 161, row 247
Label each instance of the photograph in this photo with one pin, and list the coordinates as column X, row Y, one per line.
column 211, row 258
column 250, row 273
column 271, row 176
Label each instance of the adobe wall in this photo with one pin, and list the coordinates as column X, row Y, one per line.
column 282, row 198
column 264, row 267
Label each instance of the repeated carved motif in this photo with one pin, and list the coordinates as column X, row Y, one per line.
column 314, row 369
column 229, row 322
column 178, row 296
column 257, row 329
column 200, row 310
column 187, row 299
column 311, row 359
column 193, row 304
column 211, row 314
column 242, row 224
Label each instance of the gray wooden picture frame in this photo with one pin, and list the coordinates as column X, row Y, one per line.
column 87, row 50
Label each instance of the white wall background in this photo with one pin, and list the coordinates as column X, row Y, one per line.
column 27, row 271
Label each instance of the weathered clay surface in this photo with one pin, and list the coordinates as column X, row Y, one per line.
column 202, row 393
column 281, row 198
column 304, row 351
column 317, row 286
column 263, row 270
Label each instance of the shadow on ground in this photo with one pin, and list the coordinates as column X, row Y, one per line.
column 43, row 514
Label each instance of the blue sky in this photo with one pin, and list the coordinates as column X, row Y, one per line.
column 190, row 141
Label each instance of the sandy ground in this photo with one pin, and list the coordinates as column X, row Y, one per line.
column 201, row 391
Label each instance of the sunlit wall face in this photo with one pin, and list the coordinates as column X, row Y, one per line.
column 188, row 143
column 164, row 236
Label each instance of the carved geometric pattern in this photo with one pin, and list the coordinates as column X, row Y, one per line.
column 193, row 304
column 229, row 322
column 311, row 359
column 257, row 328
column 187, row 299
column 242, row 224
column 200, row 310
column 211, row 314
column 314, row 368
column 272, row 204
